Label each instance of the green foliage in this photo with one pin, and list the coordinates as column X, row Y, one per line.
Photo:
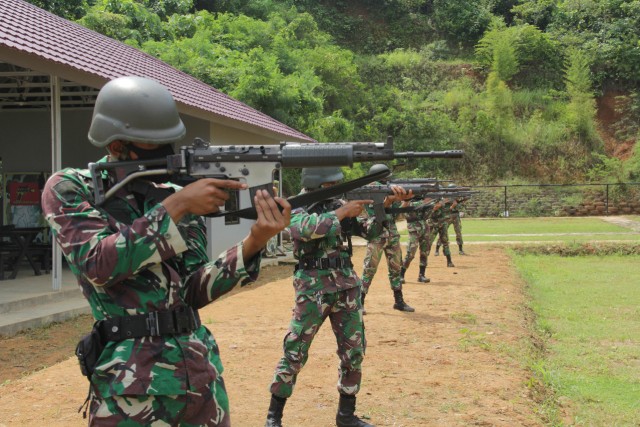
column 538, row 13
column 124, row 20
column 607, row 32
column 606, row 169
column 505, row 63
column 462, row 21
column 581, row 110
column 68, row 9
column 536, row 58
column 628, row 109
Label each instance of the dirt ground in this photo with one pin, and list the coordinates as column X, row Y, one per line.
column 454, row 362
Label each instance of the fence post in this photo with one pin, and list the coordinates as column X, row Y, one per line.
column 606, row 201
column 506, row 206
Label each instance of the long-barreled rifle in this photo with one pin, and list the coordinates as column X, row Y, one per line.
column 254, row 165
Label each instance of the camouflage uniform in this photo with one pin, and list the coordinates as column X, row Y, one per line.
column 457, row 226
column 324, row 292
column 130, row 258
column 419, row 231
column 439, row 220
column 389, row 242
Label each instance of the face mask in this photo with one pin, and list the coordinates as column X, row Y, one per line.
column 158, row 153
column 161, row 152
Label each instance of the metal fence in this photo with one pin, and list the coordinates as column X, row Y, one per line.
column 526, row 200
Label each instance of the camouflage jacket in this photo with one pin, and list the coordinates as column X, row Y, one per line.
column 390, row 230
column 136, row 264
column 417, row 221
column 317, row 233
column 441, row 215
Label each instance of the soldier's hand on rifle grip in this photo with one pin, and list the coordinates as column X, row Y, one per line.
column 351, row 209
column 274, row 214
column 399, row 194
column 201, row 197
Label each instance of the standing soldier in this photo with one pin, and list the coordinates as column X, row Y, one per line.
column 456, row 215
column 140, row 259
column 440, row 219
column 389, row 242
column 419, row 231
column 325, row 286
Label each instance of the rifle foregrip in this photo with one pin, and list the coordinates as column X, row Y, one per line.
column 309, row 155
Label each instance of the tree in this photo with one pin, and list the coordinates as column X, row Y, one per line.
column 581, row 110
column 461, row 21
column 68, row 9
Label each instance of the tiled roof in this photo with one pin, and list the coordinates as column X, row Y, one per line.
column 29, row 29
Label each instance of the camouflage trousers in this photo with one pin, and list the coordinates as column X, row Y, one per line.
column 344, row 310
column 418, row 238
column 393, row 252
column 457, row 227
column 204, row 407
column 442, row 230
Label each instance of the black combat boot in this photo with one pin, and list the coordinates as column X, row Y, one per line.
column 345, row 416
column 421, row 276
column 402, row 271
column 449, row 262
column 362, row 296
column 461, row 251
column 400, row 304
column 437, row 249
column 274, row 416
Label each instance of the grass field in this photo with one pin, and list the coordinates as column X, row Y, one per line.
column 587, row 309
column 541, row 229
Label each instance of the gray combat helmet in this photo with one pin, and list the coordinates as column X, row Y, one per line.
column 313, row 178
column 379, row 168
column 135, row 109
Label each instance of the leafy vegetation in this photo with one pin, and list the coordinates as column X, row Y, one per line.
column 513, row 83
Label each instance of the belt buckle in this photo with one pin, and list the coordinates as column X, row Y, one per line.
column 152, row 324
column 182, row 317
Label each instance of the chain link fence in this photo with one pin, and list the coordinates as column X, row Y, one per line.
column 532, row 200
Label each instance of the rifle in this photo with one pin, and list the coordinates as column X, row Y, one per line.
column 378, row 193
column 435, row 196
column 254, row 165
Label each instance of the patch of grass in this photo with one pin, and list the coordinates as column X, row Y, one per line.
column 586, row 313
column 471, row 339
column 566, row 230
column 467, row 318
column 539, row 226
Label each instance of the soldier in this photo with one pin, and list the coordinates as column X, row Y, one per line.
column 325, row 286
column 456, row 214
column 141, row 262
column 389, row 242
column 439, row 223
column 419, row 231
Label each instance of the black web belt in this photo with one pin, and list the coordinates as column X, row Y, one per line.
column 324, row 263
column 181, row 320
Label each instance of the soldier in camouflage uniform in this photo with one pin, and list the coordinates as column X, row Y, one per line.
column 419, row 231
column 325, row 286
column 457, row 224
column 140, row 261
column 389, row 243
column 439, row 223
